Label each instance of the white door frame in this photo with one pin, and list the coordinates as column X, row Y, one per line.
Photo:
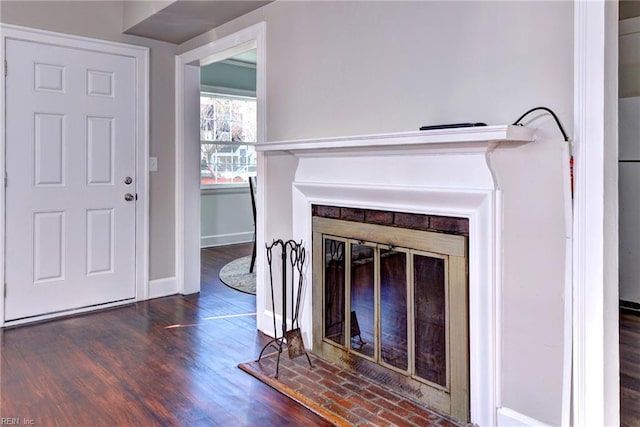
column 141, row 57
column 595, row 283
column 187, row 69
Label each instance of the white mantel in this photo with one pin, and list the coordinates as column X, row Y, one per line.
column 456, row 139
column 445, row 172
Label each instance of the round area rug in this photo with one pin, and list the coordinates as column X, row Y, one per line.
column 236, row 275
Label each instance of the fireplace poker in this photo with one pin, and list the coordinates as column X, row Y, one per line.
column 295, row 344
column 293, row 336
column 276, row 342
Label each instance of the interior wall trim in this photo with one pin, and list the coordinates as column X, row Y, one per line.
column 629, row 26
column 594, row 398
column 228, row 91
column 163, row 287
column 630, row 307
column 226, row 239
column 509, row 418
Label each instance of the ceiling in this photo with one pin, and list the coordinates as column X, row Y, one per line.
column 182, row 20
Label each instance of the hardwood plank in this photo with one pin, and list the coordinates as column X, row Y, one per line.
column 629, row 370
column 127, row 366
column 124, row 367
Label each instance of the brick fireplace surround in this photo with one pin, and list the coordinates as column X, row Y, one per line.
column 440, row 173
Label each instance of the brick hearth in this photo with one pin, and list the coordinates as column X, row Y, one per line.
column 344, row 398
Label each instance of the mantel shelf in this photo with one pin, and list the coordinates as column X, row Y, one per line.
column 480, row 137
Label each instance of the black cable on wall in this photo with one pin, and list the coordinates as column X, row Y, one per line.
column 564, row 134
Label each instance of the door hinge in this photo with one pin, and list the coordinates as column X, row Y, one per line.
column 6, row 68
column 6, row 180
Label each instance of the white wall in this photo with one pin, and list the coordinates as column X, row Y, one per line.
column 346, row 68
column 225, row 216
column 533, row 267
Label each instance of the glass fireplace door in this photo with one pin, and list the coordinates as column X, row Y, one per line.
column 391, row 306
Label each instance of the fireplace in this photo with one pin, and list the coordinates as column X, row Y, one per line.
column 440, row 174
column 390, row 302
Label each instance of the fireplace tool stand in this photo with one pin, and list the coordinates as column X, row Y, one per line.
column 291, row 337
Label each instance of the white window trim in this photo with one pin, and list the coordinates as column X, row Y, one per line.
column 228, row 91
column 210, row 190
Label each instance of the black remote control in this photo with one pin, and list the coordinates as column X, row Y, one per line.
column 452, row 125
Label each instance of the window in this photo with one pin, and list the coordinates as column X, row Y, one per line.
column 227, row 134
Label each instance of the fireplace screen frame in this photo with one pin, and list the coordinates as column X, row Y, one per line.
column 452, row 398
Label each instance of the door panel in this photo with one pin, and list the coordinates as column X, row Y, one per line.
column 100, row 231
column 48, row 150
column 49, row 243
column 70, row 144
column 100, row 151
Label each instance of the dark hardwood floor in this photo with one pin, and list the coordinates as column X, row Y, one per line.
column 173, row 362
column 630, row 370
column 166, row 362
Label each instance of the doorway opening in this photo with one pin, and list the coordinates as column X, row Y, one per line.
column 228, row 125
column 216, row 148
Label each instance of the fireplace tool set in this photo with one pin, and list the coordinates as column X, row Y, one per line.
column 292, row 256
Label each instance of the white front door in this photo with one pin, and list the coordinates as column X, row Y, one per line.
column 70, row 146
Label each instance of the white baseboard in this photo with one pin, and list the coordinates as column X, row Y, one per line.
column 267, row 322
column 163, row 287
column 510, row 418
column 226, row 239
